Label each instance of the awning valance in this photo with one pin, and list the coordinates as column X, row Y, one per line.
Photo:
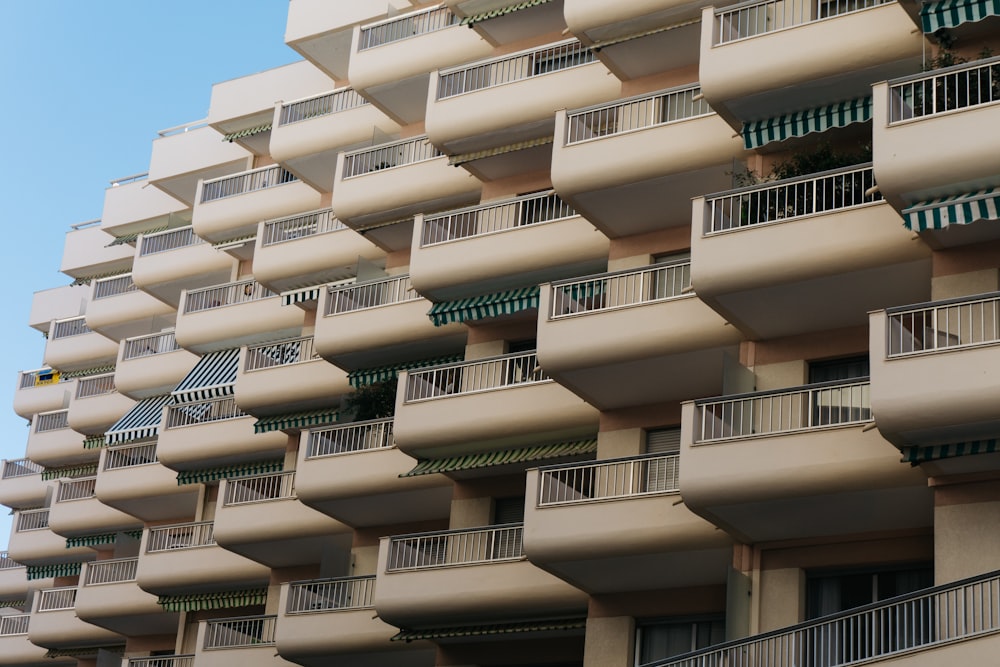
column 758, row 133
column 301, row 295
column 366, row 376
column 54, row 570
column 86, row 280
column 249, row 132
column 246, row 239
column 487, row 459
column 221, row 600
column 139, row 423
column 462, row 158
column 493, row 629
column 101, row 538
column 487, row 305
column 212, row 377
column 917, row 455
column 94, row 442
column 502, row 11
column 131, row 238
column 83, row 651
column 953, row 13
column 225, row 472
column 295, row 421
column 956, row 210
column 87, row 372
column 644, row 33
column 84, row 470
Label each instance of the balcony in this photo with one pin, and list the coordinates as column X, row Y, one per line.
column 286, row 376
column 53, row 443
column 395, row 180
column 248, row 640
column 379, row 322
column 133, row 480
column 55, row 304
column 151, row 365
column 184, row 155
column 184, row 558
column 86, row 252
column 21, row 484
column 796, row 463
column 54, row 623
column 96, row 404
column 72, row 346
column 17, row 649
column 110, row 598
column 118, row 309
column 466, row 576
column 624, row 497
column 14, row 583
column 352, row 472
column 487, row 404
column 169, row 262
column 161, row 661
column 131, row 207
column 40, row 390
column 850, row 256
column 510, row 243
column 33, row 543
column 745, row 75
column 77, row 511
column 618, row 163
column 612, row 338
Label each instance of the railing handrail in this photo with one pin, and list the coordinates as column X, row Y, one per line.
column 230, row 410
column 288, row 221
column 135, row 343
column 14, row 624
column 242, row 491
column 201, row 534
column 457, row 531
column 600, row 462
column 240, row 174
column 400, row 18
column 506, row 225
column 748, row 4
column 63, row 595
column 951, row 69
column 129, row 179
column 422, row 139
column 8, row 563
column 861, row 380
column 163, row 660
column 929, row 305
column 382, row 426
column 293, row 351
column 117, row 458
column 641, row 97
column 405, row 288
column 183, row 127
column 472, row 362
column 566, row 282
column 121, row 570
column 290, row 112
column 363, row 585
column 511, row 56
column 237, row 628
column 228, row 295
column 149, row 246
column 28, row 467
column 766, row 185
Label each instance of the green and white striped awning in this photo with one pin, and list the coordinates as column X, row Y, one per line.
column 85, row 280
column 915, row 455
column 301, row 295
column 502, row 11
column 759, row 133
column 83, row 651
column 365, row 376
column 225, row 472
column 295, row 421
column 249, row 132
column 956, row 210
column 140, row 423
column 487, row 305
column 462, row 158
column 87, row 372
column 95, row 442
column 564, row 624
column 221, row 600
column 212, row 377
column 953, row 13
column 644, row 33
column 487, row 459
column 131, row 238
column 54, row 570
column 84, row 470
column 101, row 538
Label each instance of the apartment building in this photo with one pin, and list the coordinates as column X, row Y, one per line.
column 548, row 333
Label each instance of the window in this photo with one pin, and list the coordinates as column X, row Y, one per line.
column 845, row 368
column 662, row 473
column 830, row 592
column 660, row 639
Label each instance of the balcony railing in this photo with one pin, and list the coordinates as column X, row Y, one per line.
column 204, row 412
column 51, row 421
column 259, row 488
column 340, row 594
column 116, row 571
column 163, row 661
column 248, row 181
column 76, row 326
column 320, row 105
column 836, row 190
column 130, row 456
column 516, row 67
column 635, row 113
column 488, row 219
column 385, row 292
column 230, row 294
column 246, row 632
column 38, row 378
column 608, row 480
column 750, row 19
column 387, row 156
column 32, row 520
column 285, row 353
column 404, row 27
column 786, row 411
column 180, row 536
column 96, row 385
column 14, row 625
column 172, row 239
column 611, row 291
column 300, row 226
column 350, row 438
column 944, row 326
column 8, row 563
column 77, row 489
column 20, row 468
column 470, row 377
column 146, row 346
column 449, row 548
column 944, row 90
column 108, row 287
column 57, row 599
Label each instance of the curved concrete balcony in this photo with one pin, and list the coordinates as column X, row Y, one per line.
column 184, row 155
column 55, row 624
column 21, row 484
column 796, row 463
column 109, row 597
column 745, row 74
column 87, row 252
column 395, row 180
column 151, row 365
column 497, row 245
column 851, row 254
column 501, row 22
column 56, row 304
column 33, row 543
column 53, row 443
column 73, row 346
column 237, row 313
column 131, row 206
column 247, row 640
column 287, row 376
column 14, row 584
column 77, row 511
column 352, row 472
column 132, row 480
column 96, row 404
column 624, row 497
column 621, row 164
column 184, row 558
column 118, row 309
column 41, row 390
column 614, row 337
column 18, row 649
column 232, row 206
column 169, row 262
column 487, row 404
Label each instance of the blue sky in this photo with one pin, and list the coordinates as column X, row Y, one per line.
column 85, row 87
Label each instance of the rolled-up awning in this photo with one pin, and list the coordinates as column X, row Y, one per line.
column 501, row 11
column 225, row 472
column 365, row 376
column 491, row 629
column 82, row 470
column 295, row 421
column 249, row 132
column 955, row 210
column 301, row 295
column 220, row 600
column 54, row 570
column 461, row 158
column 84, row 651
column 487, row 459
column 953, row 13
column 759, row 133
column 140, row 423
column 100, row 538
column 87, row 372
column 94, row 442
column 212, row 377
column 915, row 455
column 488, row 305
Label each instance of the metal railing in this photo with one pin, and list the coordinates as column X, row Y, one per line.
column 468, row 377
column 116, row 571
column 406, row 26
column 171, row 239
column 300, row 226
column 248, row 181
column 339, row 594
column 784, row 411
column 621, row 289
column 125, row 180
column 180, row 536
column 51, row 421
column 387, row 156
column 14, row 625
column 146, row 346
column 284, row 353
column 8, row 563
column 350, row 438
column 229, row 294
column 509, row 68
column 359, row 296
column 57, row 599
column 447, row 548
column 751, row 19
column 20, row 468
column 486, row 219
column 163, row 661
column 787, row 199
column 115, row 286
column 203, row 412
column 75, row 326
column 943, row 326
column 259, row 488
column 245, row 632
column 944, row 90
column 320, row 105
column 635, row 113
column 77, row 489
column 130, row 456
column 40, row 377
column 32, row 520
column 96, row 385
column 608, row 480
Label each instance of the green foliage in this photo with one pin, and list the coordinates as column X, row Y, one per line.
column 373, row 401
column 820, row 158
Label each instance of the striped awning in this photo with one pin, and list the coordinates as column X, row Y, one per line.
column 83, row 651
column 54, row 570
column 101, row 538
column 140, row 423
column 502, row 11
column 225, row 472
column 644, row 33
column 758, row 133
column 487, row 459
column 365, row 376
column 95, row 442
column 235, row 241
column 301, row 295
column 220, row 600
column 85, row 470
column 917, row 455
column 85, row 280
column 212, row 377
column 953, row 13
column 564, row 624
column 249, row 132
column 955, row 210
column 488, row 305
column 462, row 158
column 131, row 238
column 295, row 421
column 87, row 372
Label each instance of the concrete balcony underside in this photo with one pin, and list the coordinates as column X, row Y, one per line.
column 14, row 584
column 58, row 448
column 308, row 385
column 63, row 629
column 166, row 274
column 18, row 650
column 238, row 324
column 29, row 401
column 232, row 441
column 127, row 314
column 180, row 160
column 93, row 415
column 44, row 547
column 312, row 260
column 70, row 518
column 24, row 491
column 197, row 570
column 124, row 608
column 133, row 207
column 239, row 215
column 74, row 353
column 154, row 374
column 148, row 492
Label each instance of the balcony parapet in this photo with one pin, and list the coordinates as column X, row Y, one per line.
column 492, row 218
column 325, row 595
column 171, row 239
column 180, row 536
column 259, row 488
column 300, row 226
column 361, row 296
column 621, row 289
column 15, row 624
column 284, row 353
column 112, row 571
column 56, row 599
column 28, row 520
column 451, row 548
column 51, row 421
column 635, row 113
column 402, row 27
column 315, row 106
column 150, row 344
column 943, row 91
column 20, row 468
column 470, row 377
column 40, row 377
column 8, row 563
column 633, row 477
column 248, row 181
column 66, row 328
column 747, row 20
column 163, row 661
column 191, row 414
column 388, row 156
column 130, row 456
column 218, row 296
column 350, row 438
column 80, row 488
column 243, row 632
column 113, row 286
column 95, row 385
